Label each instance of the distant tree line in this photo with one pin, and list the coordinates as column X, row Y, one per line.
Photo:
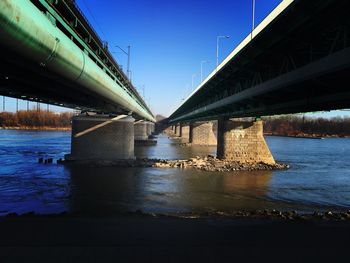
column 35, row 118
column 291, row 125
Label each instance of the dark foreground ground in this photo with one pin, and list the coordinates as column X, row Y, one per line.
column 130, row 238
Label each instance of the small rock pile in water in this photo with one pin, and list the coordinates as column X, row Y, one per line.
column 211, row 163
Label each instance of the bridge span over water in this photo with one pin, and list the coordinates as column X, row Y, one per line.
column 296, row 60
column 50, row 53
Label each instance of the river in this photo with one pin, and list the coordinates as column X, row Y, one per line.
column 319, row 179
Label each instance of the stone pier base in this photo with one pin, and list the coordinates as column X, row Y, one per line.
column 243, row 142
column 202, row 133
column 101, row 137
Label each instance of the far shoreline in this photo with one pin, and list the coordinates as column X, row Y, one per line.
column 37, row 128
column 307, row 136
column 298, row 136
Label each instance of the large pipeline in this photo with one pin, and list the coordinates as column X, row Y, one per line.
column 29, row 32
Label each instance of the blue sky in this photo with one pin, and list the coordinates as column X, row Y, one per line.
column 169, row 39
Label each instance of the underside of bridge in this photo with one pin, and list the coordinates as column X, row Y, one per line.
column 22, row 79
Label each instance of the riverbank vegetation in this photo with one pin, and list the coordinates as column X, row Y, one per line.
column 35, row 119
column 299, row 126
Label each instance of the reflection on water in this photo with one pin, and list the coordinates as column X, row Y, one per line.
column 319, row 179
column 107, row 190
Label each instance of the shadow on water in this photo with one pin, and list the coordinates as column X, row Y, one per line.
column 113, row 190
column 104, row 189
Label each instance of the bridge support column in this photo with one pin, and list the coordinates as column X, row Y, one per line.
column 149, row 128
column 201, row 133
column 243, row 142
column 140, row 131
column 177, row 129
column 185, row 132
column 101, row 137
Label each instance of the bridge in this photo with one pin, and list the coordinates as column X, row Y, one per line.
column 50, row 53
column 296, row 60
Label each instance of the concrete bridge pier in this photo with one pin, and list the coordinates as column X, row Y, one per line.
column 243, row 141
column 143, row 133
column 177, row 129
column 101, row 137
column 140, row 131
column 149, row 128
column 202, row 133
column 185, row 132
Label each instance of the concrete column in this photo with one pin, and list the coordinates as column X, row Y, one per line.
column 140, row 131
column 243, row 141
column 201, row 133
column 149, row 128
column 101, row 137
column 177, row 129
column 185, row 131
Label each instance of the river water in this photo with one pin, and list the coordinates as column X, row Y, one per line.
column 319, row 179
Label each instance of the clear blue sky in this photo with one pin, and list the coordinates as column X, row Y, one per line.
column 169, row 39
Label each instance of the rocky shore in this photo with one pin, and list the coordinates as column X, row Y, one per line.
column 207, row 163
column 147, row 237
column 254, row 214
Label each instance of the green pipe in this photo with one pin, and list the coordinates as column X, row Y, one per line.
column 28, row 32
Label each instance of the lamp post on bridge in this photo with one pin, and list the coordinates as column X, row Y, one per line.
column 217, row 49
column 128, row 65
column 203, row 62
column 143, row 91
column 253, row 17
column 193, row 76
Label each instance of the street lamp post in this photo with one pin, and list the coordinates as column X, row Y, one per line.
column 253, row 17
column 128, row 65
column 203, row 62
column 193, row 76
column 217, row 49
column 143, row 91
